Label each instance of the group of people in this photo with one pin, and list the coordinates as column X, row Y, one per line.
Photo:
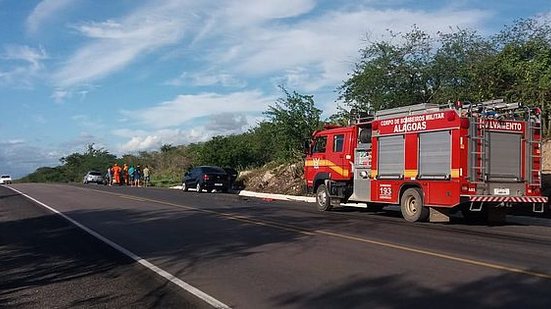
column 129, row 175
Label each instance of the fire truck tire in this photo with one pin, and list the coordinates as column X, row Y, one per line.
column 411, row 205
column 322, row 198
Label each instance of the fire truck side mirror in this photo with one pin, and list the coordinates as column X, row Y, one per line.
column 307, row 148
column 365, row 135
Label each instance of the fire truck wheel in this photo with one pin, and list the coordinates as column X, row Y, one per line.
column 322, row 199
column 412, row 206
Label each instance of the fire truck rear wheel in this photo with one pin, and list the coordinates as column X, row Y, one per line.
column 322, row 198
column 412, row 206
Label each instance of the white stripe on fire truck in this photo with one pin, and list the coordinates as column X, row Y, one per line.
column 523, row 199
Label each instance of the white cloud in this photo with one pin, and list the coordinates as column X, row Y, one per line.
column 237, row 40
column 204, row 79
column 184, row 108
column 326, row 45
column 60, row 95
column 40, row 119
column 45, row 10
column 24, row 64
column 80, row 143
column 18, row 157
column 248, row 12
column 33, row 56
column 87, row 122
column 227, row 123
column 217, row 124
column 138, row 140
column 115, row 44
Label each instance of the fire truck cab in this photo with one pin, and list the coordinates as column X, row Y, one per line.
column 431, row 160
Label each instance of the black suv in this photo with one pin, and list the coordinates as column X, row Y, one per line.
column 206, row 178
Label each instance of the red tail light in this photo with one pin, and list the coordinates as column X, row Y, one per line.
column 205, row 177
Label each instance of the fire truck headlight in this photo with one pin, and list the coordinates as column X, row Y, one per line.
column 364, row 174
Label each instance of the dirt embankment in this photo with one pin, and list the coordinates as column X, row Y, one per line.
column 547, row 156
column 282, row 179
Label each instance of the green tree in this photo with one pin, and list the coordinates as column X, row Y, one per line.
column 76, row 164
column 463, row 65
column 391, row 74
column 523, row 65
column 167, row 148
column 294, row 117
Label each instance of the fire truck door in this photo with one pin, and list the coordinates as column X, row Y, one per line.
column 316, row 163
column 362, row 174
column 338, row 156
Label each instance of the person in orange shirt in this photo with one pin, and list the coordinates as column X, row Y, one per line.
column 116, row 174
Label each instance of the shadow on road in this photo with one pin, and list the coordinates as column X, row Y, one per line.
column 504, row 291
column 45, row 262
column 43, row 251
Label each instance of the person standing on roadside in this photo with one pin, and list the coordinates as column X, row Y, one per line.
column 146, row 175
column 110, row 175
column 131, row 174
column 125, row 174
column 137, row 175
column 116, row 174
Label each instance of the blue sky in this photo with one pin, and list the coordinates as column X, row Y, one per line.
column 131, row 75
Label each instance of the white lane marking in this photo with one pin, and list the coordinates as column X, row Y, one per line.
column 170, row 277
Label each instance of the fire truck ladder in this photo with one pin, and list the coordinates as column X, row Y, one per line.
column 479, row 144
column 534, row 153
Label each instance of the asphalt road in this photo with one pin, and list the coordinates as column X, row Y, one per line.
column 47, row 262
column 249, row 253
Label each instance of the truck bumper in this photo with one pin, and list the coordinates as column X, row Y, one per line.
column 508, row 199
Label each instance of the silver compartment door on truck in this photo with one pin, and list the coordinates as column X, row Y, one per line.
column 362, row 174
column 504, row 157
column 504, row 164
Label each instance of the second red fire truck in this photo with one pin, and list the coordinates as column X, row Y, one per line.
column 431, row 160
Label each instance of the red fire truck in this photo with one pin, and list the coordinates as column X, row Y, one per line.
column 478, row 158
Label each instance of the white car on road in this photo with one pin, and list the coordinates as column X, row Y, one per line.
column 5, row 179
